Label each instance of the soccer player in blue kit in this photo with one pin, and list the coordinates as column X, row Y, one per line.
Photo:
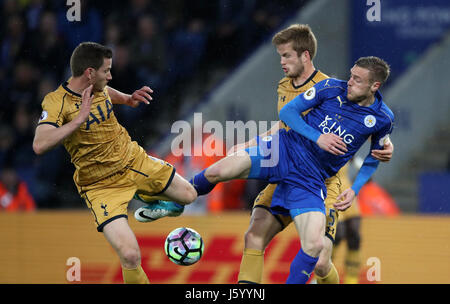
column 344, row 115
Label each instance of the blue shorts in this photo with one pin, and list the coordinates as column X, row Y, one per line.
column 268, row 160
column 294, row 200
column 295, row 193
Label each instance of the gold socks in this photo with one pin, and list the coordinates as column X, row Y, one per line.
column 134, row 276
column 331, row 278
column 251, row 266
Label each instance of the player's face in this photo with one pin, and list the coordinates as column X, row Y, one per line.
column 291, row 63
column 359, row 84
column 102, row 75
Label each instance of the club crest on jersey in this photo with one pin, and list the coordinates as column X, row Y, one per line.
column 370, row 121
column 43, row 116
column 310, row 94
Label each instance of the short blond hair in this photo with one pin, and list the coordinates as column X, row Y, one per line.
column 301, row 36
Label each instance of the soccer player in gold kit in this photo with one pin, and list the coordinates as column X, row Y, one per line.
column 109, row 167
column 296, row 46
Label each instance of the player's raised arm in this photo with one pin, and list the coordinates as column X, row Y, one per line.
column 133, row 100
column 48, row 136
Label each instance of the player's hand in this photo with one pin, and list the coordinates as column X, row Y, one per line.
column 141, row 95
column 86, row 102
column 345, row 199
column 386, row 153
column 332, row 143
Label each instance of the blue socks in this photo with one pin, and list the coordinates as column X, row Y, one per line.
column 301, row 268
column 201, row 184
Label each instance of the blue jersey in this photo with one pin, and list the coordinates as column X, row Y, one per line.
column 333, row 113
column 300, row 165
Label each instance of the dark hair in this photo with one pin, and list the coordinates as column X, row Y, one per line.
column 379, row 69
column 301, row 36
column 88, row 55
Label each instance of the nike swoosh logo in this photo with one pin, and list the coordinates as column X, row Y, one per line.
column 142, row 214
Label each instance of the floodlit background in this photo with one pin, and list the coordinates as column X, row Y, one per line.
column 215, row 57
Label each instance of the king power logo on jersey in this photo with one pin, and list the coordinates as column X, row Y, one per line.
column 329, row 125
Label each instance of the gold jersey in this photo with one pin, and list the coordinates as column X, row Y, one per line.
column 100, row 147
column 287, row 90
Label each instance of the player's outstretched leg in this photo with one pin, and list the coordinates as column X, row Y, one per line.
column 180, row 192
column 169, row 203
column 234, row 166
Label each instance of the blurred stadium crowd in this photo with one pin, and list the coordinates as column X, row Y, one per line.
column 163, row 44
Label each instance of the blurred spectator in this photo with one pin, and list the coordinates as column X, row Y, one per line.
column 140, row 8
column 49, row 48
column 124, row 78
column 149, row 52
column 6, row 143
column 24, row 128
column 374, row 200
column 113, row 34
column 14, row 195
column 33, row 13
column 13, row 42
column 23, row 88
column 123, row 72
column 188, row 47
column 232, row 18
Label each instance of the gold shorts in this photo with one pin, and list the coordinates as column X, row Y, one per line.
column 108, row 199
column 333, row 184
